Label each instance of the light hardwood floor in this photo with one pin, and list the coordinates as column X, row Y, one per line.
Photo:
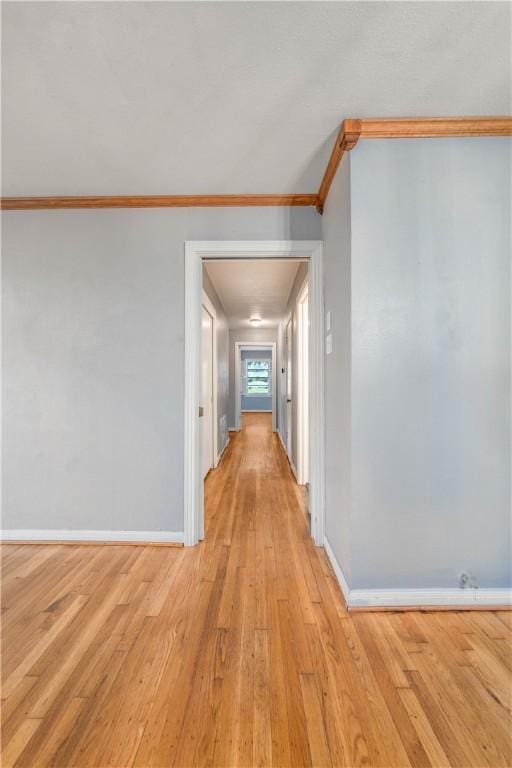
column 238, row 652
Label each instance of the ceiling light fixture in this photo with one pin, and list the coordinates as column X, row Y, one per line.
column 255, row 321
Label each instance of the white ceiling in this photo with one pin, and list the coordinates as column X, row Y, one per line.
column 236, row 97
column 253, row 289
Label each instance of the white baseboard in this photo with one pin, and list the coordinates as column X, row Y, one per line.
column 27, row 534
column 221, row 454
column 440, row 598
column 257, row 410
column 290, row 462
column 337, row 570
column 293, row 468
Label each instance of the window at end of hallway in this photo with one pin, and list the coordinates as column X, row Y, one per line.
column 257, row 377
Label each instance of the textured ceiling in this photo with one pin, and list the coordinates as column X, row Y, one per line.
column 236, row 97
column 253, row 289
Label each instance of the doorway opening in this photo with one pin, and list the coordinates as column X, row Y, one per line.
column 255, row 379
column 271, row 364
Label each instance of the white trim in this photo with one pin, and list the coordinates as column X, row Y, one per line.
column 290, row 462
column 195, row 252
column 337, row 570
column 63, row 534
column 303, row 290
column 440, row 597
column 247, row 346
column 409, row 598
column 257, row 410
column 207, row 303
column 221, row 454
column 193, row 483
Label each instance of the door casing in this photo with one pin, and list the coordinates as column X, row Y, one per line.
column 195, row 253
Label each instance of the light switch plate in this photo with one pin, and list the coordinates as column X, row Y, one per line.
column 328, row 321
column 328, row 344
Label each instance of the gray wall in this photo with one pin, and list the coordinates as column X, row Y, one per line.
column 251, row 402
column 337, row 297
column 222, row 362
column 93, row 324
column 243, row 334
column 431, row 362
column 417, row 240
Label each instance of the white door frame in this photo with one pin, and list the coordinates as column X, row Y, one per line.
column 213, row 312
column 302, row 386
column 195, row 252
column 242, row 346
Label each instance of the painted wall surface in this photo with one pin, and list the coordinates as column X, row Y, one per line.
column 243, row 334
column 431, row 350
column 222, row 363
column 337, row 255
column 291, row 311
column 93, row 328
column 251, row 402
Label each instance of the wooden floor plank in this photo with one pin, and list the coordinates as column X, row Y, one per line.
column 238, row 652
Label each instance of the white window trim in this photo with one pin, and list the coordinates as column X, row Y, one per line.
column 195, row 252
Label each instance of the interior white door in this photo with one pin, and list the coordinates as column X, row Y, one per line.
column 207, row 390
column 304, row 387
column 289, row 386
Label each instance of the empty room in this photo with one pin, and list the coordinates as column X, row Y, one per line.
column 256, row 384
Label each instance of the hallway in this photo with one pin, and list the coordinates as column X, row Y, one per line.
column 238, row 652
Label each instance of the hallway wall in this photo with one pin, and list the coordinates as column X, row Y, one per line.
column 418, row 384
column 93, row 328
column 431, row 462
column 338, row 430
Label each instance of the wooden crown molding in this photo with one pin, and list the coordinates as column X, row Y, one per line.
column 406, row 128
column 346, row 140
column 434, row 127
column 350, row 133
column 153, row 201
